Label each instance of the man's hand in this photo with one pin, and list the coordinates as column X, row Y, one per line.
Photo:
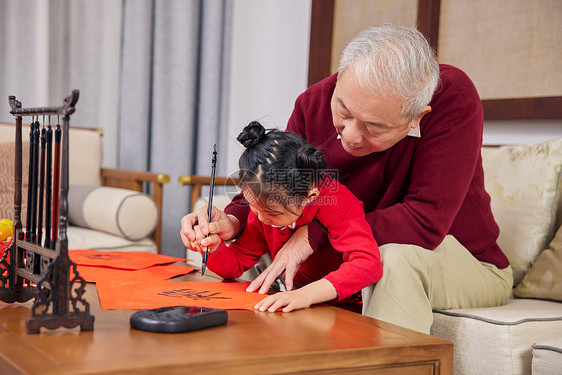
column 195, row 227
column 293, row 253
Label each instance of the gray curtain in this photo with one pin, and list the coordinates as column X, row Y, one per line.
column 173, row 84
column 33, row 63
column 151, row 73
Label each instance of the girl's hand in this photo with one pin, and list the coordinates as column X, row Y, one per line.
column 195, row 227
column 319, row 291
column 292, row 300
column 210, row 245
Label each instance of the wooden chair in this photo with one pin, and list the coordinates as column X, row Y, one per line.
column 197, row 182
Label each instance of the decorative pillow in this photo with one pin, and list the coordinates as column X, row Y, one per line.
column 7, row 162
column 544, row 280
column 121, row 212
column 523, row 182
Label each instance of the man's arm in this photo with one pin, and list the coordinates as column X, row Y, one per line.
column 240, row 209
column 288, row 259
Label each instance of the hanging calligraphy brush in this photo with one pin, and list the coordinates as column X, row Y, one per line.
column 41, row 186
column 56, row 186
column 31, row 225
column 48, row 182
column 29, row 183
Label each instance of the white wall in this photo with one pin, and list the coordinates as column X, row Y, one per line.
column 269, row 68
column 521, row 132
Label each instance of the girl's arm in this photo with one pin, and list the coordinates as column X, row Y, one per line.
column 230, row 262
column 316, row 292
column 344, row 217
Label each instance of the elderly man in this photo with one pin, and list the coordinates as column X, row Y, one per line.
column 404, row 135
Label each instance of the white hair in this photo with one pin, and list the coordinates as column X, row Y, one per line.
column 396, row 60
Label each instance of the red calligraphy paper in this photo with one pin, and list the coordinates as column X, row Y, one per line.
column 94, row 274
column 120, row 259
column 138, row 295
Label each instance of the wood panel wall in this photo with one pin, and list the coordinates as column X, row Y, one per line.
column 330, row 31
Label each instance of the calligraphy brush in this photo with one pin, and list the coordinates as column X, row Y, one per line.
column 210, row 207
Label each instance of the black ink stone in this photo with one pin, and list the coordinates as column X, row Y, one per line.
column 178, row 319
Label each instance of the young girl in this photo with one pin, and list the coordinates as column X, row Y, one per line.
column 283, row 179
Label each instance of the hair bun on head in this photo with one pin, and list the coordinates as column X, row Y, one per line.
column 252, row 134
column 308, row 157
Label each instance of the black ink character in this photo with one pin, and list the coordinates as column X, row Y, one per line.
column 193, row 294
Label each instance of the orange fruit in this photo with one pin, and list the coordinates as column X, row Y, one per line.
column 5, row 232
column 9, row 223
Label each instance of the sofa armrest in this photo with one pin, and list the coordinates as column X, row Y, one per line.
column 121, row 212
column 136, row 181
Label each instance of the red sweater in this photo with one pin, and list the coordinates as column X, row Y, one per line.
column 421, row 189
column 351, row 263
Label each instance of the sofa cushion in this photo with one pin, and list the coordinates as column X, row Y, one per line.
column 120, row 212
column 547, row 357
column 85, row 152
column 84, row 164
column 7, row 158
column 84, row 238
column 84, row 156
column 523, row 184
column 497, row 340
column 544, row 279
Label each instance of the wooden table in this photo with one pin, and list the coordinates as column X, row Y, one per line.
column 319, row 340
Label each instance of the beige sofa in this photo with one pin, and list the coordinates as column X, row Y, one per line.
column 107, row 207
column 525, row 335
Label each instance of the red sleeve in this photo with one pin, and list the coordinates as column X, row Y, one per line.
column 296, row 122
column 230, row 262
column 344, row 217
column 443, row 166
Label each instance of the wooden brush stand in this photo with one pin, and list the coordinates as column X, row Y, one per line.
column 33, row 267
